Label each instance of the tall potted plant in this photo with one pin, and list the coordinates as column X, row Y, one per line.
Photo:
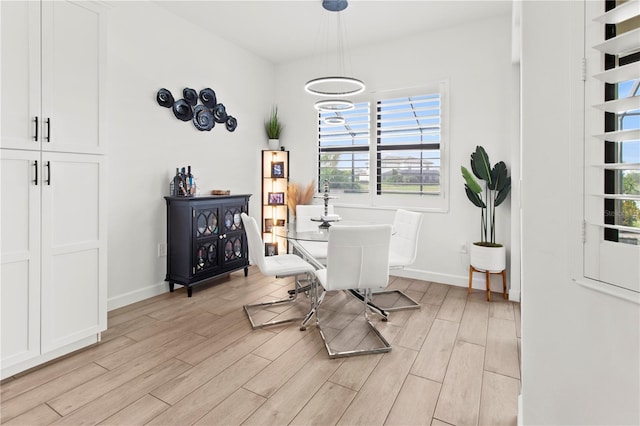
column 486, row 254
column 273, row 126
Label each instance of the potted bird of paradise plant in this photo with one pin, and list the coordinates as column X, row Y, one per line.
column 486, row 254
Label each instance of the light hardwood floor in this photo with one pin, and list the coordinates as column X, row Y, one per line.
column 174, row 360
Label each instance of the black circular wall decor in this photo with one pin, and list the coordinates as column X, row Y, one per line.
column 190, row 96
column 220, row 113
column 164, row 98
column 231, row 123
column 203, row 118
column 182, row 110
column 204, row 115
column 208, row 97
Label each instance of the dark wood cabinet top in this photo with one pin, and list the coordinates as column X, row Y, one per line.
column 206, row 197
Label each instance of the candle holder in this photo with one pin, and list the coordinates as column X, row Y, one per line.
column 326, row 197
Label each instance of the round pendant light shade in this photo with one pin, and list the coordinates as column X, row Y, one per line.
column 332, row 105
column 335, row 5
column 334, row 86
column 334, row 121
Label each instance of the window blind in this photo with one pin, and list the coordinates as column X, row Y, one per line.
column 612, row 145
column 344, row 149
column 408, row 145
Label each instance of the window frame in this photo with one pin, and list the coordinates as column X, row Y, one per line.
column 420, row 202
column 605, row 266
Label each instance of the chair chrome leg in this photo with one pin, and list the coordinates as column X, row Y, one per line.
column 380, row 311
column 385, row 347
column 411, row 304
column 317, row 294
column 292, row 298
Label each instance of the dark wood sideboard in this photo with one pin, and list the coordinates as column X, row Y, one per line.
column 205, row 238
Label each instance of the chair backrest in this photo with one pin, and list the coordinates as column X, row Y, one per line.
column 404, row 241
column 254, row 240
column 358, row 257
column 304, row 213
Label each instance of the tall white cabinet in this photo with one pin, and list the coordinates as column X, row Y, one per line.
column 52, row 166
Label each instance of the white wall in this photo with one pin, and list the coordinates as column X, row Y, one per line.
column 476, row 60
column 146, row 141
column 148, row 48
column 580, row 348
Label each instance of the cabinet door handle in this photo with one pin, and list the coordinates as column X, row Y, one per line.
column 35, row 138
column 48, row 130
column 36, row 167
column 48, row 173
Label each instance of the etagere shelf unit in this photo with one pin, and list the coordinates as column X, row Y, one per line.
column 275, row 180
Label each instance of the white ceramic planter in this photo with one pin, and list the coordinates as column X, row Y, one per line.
column 274, row 144
column 492, row 259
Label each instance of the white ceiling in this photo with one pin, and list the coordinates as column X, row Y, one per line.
column 281, row 31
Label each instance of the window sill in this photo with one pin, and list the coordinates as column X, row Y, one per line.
column 609, row 289
column 387, row 207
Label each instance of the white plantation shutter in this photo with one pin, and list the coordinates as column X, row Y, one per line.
column 344, row 150
column 408, row 145
column 390, row 150
column 612, row 145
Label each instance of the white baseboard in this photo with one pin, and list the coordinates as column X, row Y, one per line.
column 519, row 418
column 417, row 274
column 46, row 357
column 137, row 295
column 478, row 282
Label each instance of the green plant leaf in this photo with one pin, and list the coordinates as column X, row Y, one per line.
column 480, row 164
column 474, row 198
column 498, row 176
column 503, row 192
column 273, row 127
column 473, row 185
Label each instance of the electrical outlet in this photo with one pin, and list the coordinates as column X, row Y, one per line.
column 463, row 248
column 162, row 249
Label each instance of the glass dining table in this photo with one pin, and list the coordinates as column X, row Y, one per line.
column 317, row 237
column 300, row 244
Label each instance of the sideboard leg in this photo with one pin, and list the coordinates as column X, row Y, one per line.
column 170, row 287
column 189, row 291
column 246, row 271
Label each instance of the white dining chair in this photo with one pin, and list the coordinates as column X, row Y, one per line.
column 283, row 265
column 404, row 240
column 402, row 253
column 304, row 214
column 357, row 259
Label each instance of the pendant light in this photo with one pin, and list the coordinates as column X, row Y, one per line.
column 337, row 86
column 334, row 120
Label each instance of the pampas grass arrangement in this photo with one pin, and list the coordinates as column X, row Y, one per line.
column 297, row 194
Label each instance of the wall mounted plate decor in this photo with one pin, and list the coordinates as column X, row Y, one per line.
column 164, row 98
column 190, row 96
column 208, row 97
column 182, row 110
column 220, row 113
column 203, row 118
column 231, row 123
column 204, row 115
